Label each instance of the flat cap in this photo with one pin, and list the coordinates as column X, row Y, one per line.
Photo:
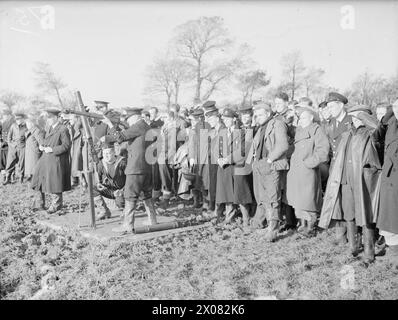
column 133, row 111
column 209, row 104
column 53, row 111
column 263, row 105
column 300, row 109
column 360, row 107
column 245, row 109
column 113, row 115
column 228, row 113
column 212, row 111
column 335, row 96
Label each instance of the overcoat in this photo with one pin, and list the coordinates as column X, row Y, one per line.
column 77, row 148
column 34, row 137
column 311, row 148
column 388, row 214
column 52, row 172
column 367, row 170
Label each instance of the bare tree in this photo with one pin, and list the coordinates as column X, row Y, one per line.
column 292, row 71
column 179, row 73
column 11, row 98
column 160, row 80
column 250, row 81
column 205, row 43
column 47, row 81
column 312, row 80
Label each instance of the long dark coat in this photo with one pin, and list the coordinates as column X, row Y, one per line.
column 311, row 148
column 77, row 148
column 52, row 173
column 32, row 152
column 388, row 214
column 367, row 169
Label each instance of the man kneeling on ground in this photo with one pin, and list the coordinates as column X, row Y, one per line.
column 111, row 180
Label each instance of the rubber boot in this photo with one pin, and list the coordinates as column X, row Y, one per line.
column 7, row 179
column 128, row 218
column 103, row 211
column 352, row 237
column 369, row 244
column 218, row 212
column 39, row 202
column 272, row 230
column 151, row 211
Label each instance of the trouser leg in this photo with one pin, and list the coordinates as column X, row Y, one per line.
column 102, row 208
column 166, row 176
column 21, row 163
column 352, row 233
column 245, row 209
column 128, row 218
column 12, row 160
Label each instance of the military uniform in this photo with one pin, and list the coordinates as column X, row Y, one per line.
column 16, row 149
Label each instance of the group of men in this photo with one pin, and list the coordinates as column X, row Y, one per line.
column 285, row 165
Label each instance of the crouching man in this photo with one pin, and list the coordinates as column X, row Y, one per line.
column 138, row 171
column 111, row 180
column 268, row 154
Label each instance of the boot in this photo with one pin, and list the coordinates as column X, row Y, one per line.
column 218, row 212
column 7, row 179
column 340, row 233
column 369, row 244
column 310, row 231
column 196, row 199
column 272, row 230
column 21, row 179
column 392, row 254
column 103, row 211
column 128, row 218
column 352, row 237
column 39, row 202
column 151, row 211
column 303, row 225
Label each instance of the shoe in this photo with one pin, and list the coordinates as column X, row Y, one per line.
column 272, row 231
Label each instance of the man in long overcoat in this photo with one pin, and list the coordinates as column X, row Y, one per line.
column 388, row 212
column 34, row 136
column 303, row 189
column 7, row 120
column 353, row 188
column 52, row 172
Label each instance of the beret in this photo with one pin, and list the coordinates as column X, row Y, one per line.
column 360, row 107
column 53, row 111
column 133, row 111
column 113, row 115
column 263, row 105
column 228, row 113
column 209, row 104
column 245, row 109
column 334, row 96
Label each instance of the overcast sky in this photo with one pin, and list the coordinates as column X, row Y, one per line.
column 102, row 48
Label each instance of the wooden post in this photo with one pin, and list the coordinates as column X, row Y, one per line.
column 88, row 140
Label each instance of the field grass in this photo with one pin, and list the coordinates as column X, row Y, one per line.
column 210, row 263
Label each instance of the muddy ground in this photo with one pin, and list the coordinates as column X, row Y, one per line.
column 210, row 263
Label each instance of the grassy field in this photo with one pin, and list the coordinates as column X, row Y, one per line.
column 209, row 263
